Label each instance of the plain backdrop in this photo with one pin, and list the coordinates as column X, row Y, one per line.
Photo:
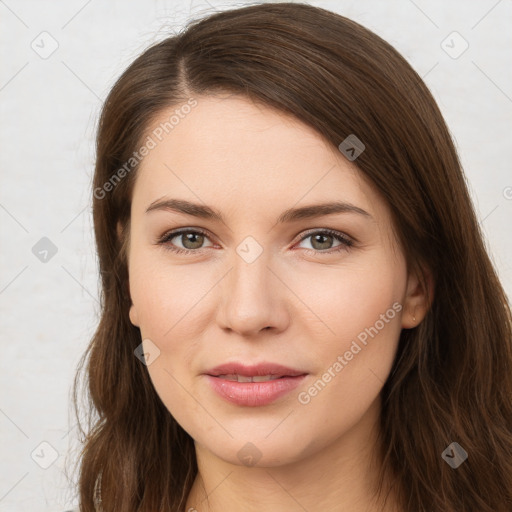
column 59, row 60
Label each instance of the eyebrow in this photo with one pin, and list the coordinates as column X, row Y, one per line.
column 290, row 215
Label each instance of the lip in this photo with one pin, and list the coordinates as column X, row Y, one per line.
column 253, row 394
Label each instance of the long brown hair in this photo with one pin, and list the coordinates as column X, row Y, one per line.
column 452, row 376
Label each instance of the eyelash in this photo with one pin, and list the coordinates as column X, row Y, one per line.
column 346, row 242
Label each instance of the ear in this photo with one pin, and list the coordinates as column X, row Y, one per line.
column 418, row 298
column 134, row 317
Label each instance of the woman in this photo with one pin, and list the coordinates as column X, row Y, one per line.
column 298, row 310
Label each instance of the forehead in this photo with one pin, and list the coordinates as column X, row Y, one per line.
column 233, row 152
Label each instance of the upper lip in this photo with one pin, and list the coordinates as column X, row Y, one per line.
column 260, row 369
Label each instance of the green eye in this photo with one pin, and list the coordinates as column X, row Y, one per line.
column 193, row 240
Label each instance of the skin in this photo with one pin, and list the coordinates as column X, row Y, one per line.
column 301, row 309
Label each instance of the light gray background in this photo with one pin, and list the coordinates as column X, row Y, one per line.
column 49, row 110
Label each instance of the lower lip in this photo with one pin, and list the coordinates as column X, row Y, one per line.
column 252, row 394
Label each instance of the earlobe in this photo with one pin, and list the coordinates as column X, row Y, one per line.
column 134, row 317
column 418, row 299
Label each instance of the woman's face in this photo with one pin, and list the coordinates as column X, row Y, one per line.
column 262, row 286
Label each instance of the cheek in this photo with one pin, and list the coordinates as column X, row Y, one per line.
column 362, row 309
column 166, row 297
column 346, row 301
column 171, row 302
column 168, row 303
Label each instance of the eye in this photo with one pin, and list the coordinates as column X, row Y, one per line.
column 191, row 240
column 322, row 240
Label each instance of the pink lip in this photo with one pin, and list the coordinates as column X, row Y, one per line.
column 253, row 394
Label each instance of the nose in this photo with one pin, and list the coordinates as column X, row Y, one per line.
column 253, row 298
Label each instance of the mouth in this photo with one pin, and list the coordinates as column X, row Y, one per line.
column 252, row 386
